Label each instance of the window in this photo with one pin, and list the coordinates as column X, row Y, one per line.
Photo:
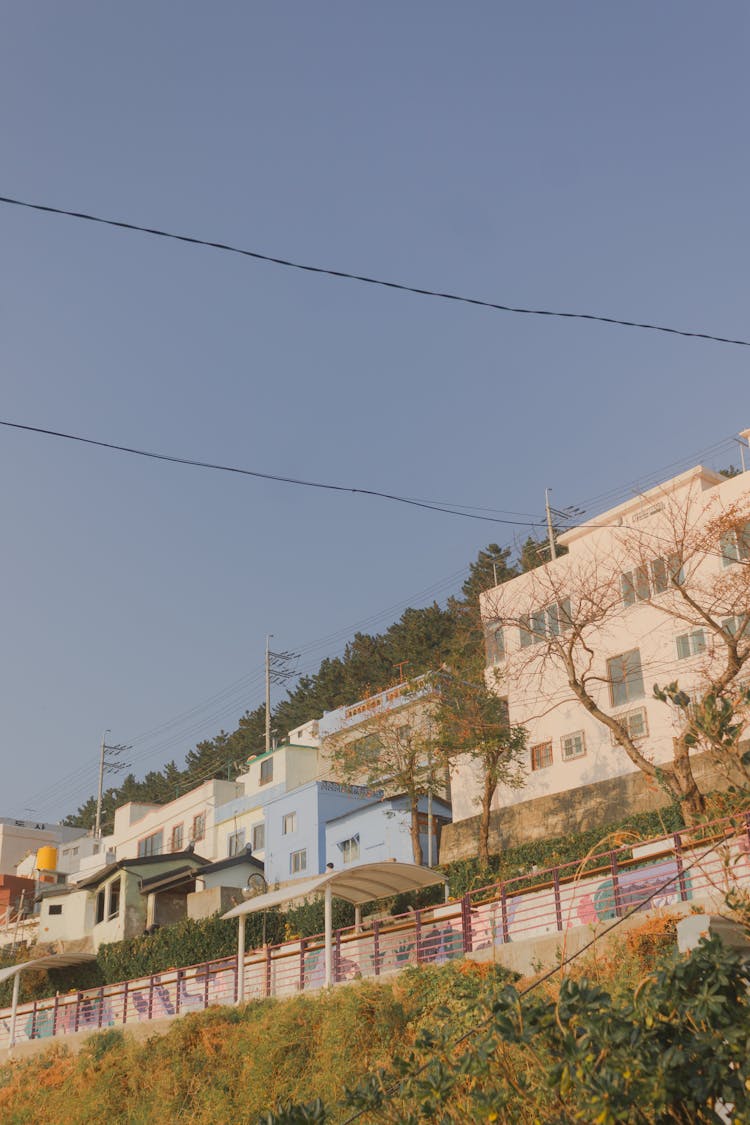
column 349, row 849
column 541, row 756
column 691, row 644
column 266, row 771
column 114, row 899
column 177, row 838
column 298, row 861
column 736, row 626
column 199, row 827
column 259, row 837
column 625, row 677
column 573, row 745
column 99, row 907
column 55, row 908
column 289, row 824
column 549, row 621
column 494, row 642
column 635, row 723
column 735, row 545
column 151, row 845
column 640, row 584
column 236, row 842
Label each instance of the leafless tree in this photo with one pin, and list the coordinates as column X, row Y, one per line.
column 690, row 562
column 394, row 749
column 473, row 722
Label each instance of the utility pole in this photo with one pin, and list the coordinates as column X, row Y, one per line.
column 278, row 670
column 550, row 532
column 401, row 664
column 268, row 693
column 110, row 765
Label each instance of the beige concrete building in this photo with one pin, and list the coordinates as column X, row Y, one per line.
column 653, row 591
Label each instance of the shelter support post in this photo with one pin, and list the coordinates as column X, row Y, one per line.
column 14, row 1009
column 357, row 918
column 241, row 960
column 328, row 935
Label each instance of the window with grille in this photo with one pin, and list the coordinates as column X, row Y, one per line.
column 691, row 644
column 151, row 845
column 349, row 849
column 545, row 622
column 625, row 677
column 573, row 746
column 735, row 545
column 178, row 835
column 635, row 723
column 298, row 861
column 114, row 898
column 199, row 826
column 643, row 582
column 236, row 842
column 541, row 756
column 494, row 641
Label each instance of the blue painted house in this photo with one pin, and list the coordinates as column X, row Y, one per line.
column 296, row 826
column 381, row 830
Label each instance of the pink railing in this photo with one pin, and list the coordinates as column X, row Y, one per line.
column 702, row 864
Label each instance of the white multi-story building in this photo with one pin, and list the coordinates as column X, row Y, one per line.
column 654, row 591
column 147, row 830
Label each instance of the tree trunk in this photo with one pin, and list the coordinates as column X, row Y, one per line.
column 692, row 801
column 416, row 843
column 488, row 791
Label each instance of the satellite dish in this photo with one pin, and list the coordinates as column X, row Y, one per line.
column 256, row 885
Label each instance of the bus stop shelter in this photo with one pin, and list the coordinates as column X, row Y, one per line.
column 367, row 882
column 51, row 961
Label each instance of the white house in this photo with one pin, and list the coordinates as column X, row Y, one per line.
column 147, row 830
column 616, row 604
column 240, row 822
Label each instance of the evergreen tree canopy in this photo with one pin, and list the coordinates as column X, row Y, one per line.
column 422, row 639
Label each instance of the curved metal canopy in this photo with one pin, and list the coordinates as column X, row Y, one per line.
column 364, row 883
column 51, row 961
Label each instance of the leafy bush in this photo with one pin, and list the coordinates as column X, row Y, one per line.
column 673, row 1050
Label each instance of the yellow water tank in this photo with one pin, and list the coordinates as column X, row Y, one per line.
column 46, row 858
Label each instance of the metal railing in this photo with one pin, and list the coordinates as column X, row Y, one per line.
column 694, row 864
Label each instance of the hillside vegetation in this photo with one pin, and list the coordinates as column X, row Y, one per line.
column 423, row 638
column 636, row 1034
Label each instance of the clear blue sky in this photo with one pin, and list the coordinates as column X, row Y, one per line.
column 581, row 156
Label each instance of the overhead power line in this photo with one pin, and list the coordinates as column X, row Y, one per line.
column 364, row 278
column 300, row 482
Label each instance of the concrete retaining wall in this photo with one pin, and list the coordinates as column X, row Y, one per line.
column 564, row 814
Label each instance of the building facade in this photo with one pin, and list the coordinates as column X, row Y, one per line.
column 654, row 591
